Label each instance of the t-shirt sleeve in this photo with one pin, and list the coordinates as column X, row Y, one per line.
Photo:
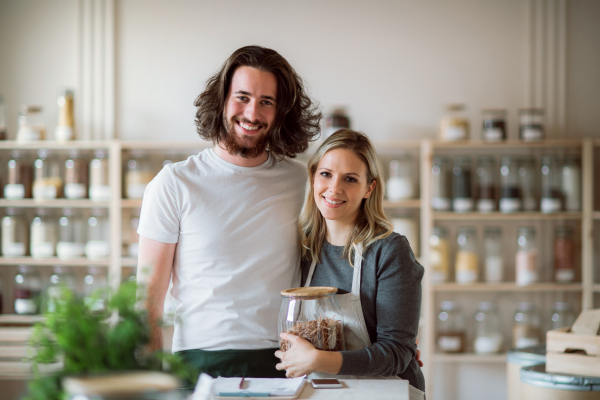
column 160, row 215
column 398, row 307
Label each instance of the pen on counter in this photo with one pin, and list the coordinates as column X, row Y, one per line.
column 241, row 385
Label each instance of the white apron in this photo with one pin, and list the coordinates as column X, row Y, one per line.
column 356, row 336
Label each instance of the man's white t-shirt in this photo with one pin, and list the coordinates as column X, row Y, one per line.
column 237, row 246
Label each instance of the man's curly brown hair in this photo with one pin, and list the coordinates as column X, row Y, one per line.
column 297, row 117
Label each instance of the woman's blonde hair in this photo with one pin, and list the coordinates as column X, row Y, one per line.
column 371, row 223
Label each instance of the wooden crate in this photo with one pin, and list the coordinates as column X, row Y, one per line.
column 559, row 358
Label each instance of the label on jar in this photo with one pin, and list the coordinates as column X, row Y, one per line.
column 526, row 261
column 100, row 192
column 509, row 205
column 440, row 203
column 462, row 204
column 531, row 134
column 14, row 191
column 565, row 275
column 449, row 343
column 44, row 191
column 133, row 249
column 550, row 205
column 493, row 134
column 488, row 344
column 526, row 342
column 530, row 204
column 42, row 249
column 136, row 190
column 75, row 191
column 13, row 249
column 97, row 249
column 494, row 268
column 486, row 205
column 29, row 133
column 70, row 250
column 25, row 306
column 454, row 132
column 466, row 267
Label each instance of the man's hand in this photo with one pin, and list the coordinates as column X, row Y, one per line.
column 300, row 359
column 418, row 357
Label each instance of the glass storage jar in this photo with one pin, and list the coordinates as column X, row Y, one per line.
column 510, row 193
column 20, row 177
column 95, row 289
column 407, row 226
column 59, row 280
column 562, row 316
column 494, row 125
column 3, row 134
column 47, row 181
column 564, row 254
column 401, row 184
column 454, row 126
column 335, row 120
column 526, row 257
column 31, row 124
column 531, row 128
column 27, row 291
column 486, row 184
column 528, row 180
column 488, row 329
column 138, row 175
column 451, row 333
column 99, row 183
column 526, row 330
column 71, row 235
column 98, row 235
column 571, row 182
column 314, row 314
column 441, row 193
column 462, row 200
column 551, row 185
column 133, row 245
column 43, row 234
column 76, row 175
column 14, row 233
column 467, row 260
column 494, row 254
column 439, row 254
column 65, row 130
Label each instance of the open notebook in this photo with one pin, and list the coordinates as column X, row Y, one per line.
column 258, row 387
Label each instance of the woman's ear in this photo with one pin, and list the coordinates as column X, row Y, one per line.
column 370, row 189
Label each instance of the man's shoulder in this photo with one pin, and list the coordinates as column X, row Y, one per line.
column 293, row 166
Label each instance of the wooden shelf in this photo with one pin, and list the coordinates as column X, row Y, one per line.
column 453, row 216
column 53, row 145
column 131, row 203
column 7, row 319
column 167, row 146
column 51, row 261
column 412, row 203
column 470, row 358
column 509, row 144
column 507, row 287
column 58, row 203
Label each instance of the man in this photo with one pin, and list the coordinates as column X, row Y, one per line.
column 223, row 223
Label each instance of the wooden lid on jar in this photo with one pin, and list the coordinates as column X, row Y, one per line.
column 304, row 292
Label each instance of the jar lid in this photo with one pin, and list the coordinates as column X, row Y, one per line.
column 455, row 107
column 495, row 111
column 30, row 109
column 316, row 291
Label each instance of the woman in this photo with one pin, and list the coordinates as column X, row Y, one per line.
column 348, row 242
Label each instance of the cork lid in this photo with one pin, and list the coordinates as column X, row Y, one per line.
column 306, row 292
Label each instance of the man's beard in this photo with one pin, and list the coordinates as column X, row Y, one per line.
column 235, row 147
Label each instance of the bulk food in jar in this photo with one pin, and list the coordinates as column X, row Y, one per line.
column 31, row 124
column 71, row 235
column 408, row 226
column 564, row 254
column 551, row 185
column 439, row 254
column 76, row 175
column 462, row 200
column 47, row 181
column 467, row 260
column 98, row 235
column 65, row 130
column 14, row 233
column 486, row 184
column 494, row 254
column 528, row 180
column 3, row 134
column 527, row 329
column 488, row 329
column 43, row 234
column 510, row 192
column 562, row 316
column 95, row 289
column 454, row 126
column 314, row 314
column 133, row 237
column 27, row 291
column 60, row 280
column 138, row 175
column 571, row 182
column 531, row 128
column 401, row 184
column 526, row 257
column 335, row 120
column 441, row 189
column 98, row 181
column 451, row 333
column 494, row 125
column 19, row 178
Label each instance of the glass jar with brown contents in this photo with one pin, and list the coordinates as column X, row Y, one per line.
column 138, row 175
column 564, row 254
column 20, row 177
column 47, row 182
column 76, row 176
column 99, row 185
column 526, row 331
column 451, row 332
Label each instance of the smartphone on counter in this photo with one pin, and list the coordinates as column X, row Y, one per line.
column 325, row 383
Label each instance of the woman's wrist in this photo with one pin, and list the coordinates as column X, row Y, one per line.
column 329, row 362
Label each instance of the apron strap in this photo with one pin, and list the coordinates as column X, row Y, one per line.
column 310, row 273
column 357, row 269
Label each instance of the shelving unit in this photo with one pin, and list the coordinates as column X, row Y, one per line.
column 470, row 358
column 495, row 216
column 507, row 287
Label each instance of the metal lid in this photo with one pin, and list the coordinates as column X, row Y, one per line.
column 528, row 355
column 536, row 375
column 312, row 292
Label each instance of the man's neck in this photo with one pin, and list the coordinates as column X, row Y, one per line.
column 238, row 160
